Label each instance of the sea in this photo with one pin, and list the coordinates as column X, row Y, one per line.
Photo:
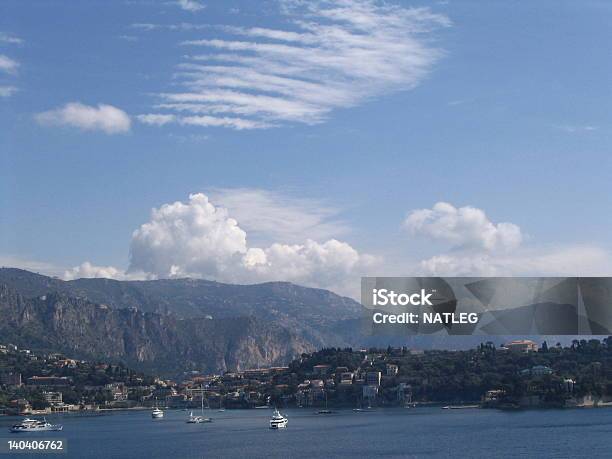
column 422, row 432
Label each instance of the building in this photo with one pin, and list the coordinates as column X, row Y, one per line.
column 392, row 369
column 541, row 370
column 53, row 398
column 119, row 391
column 321, row 370
column 373, row 378
column 346, row 378
column 49, row 381
column 522, row 345
column 10, row 379
column 494, row 395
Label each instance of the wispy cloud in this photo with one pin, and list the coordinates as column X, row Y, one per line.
column 576, row 129
column 8, row 65
column 183, row 26
column 7, row 91
column 106, row 118
column 337, row 54
column 190, row 5
column 155, row 119
column 128, row 37
column 271, row 216
column 10, row 39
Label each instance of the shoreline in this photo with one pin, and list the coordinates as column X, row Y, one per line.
column 315, row 410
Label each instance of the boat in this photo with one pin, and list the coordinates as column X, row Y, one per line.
column 326, row 410
column 35, row 425
column 157, row 413
column 198, row 419
column 278, row 421
column 221, row 409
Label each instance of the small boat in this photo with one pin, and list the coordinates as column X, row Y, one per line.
column 34, row 425
column 278, row 421
column 198, row 419
column 326, row 410
column 157, row 413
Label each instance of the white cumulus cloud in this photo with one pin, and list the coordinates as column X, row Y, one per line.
column 200, row 239
column 463, row 228
column 103, row 117
column 88, row 270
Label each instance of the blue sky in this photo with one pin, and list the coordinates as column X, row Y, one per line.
column 499, row 108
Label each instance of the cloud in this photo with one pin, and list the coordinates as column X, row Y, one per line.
column 200, row 239
column 7, row 91
column 156, row 119
column 463, row 228
column 556, row 261
column 229, row 122
column 128, row 37
column 88, row 270
column 106, row 118
column 10, row 39
column 190, row 5
column 576, row 129
column 37, row 266
column 269, row 216
column 8, row 65
column 480, row 247
column 337, row 54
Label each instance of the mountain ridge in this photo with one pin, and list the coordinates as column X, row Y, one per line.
column 146, row 340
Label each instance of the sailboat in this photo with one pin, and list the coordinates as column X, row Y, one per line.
column 325, row 411
column 221, row 409
column 198, row 419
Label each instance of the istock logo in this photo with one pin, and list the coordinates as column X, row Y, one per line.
column 384, row 297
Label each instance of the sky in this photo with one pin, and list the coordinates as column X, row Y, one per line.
column 313, row 142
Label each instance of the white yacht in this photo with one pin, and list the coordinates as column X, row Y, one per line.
column 34, row 425
column 278, row 421
column 157, row 413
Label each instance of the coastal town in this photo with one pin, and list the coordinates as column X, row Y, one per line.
column 519, row 374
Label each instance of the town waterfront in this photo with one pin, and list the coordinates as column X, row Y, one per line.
column 394, row 432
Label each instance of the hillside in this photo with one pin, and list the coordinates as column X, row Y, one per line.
column 147, row 341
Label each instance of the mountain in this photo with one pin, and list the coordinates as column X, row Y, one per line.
column 148, row 341
column 319, row 316
column 177, row 325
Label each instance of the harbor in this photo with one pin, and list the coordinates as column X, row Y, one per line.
column 393, row 432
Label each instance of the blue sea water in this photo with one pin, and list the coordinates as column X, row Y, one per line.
column 415, row 432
